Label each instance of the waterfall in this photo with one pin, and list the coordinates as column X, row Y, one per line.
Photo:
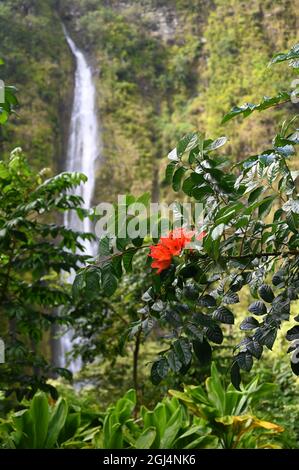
column 82, row 156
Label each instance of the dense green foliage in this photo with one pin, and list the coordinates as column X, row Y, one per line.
column 219, row 418
column 162, row 68
column 242, row 247
column 34, row 253
column 158, row 67
column 38, row 63
column 167, row 67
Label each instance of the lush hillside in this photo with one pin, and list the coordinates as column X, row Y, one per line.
column 161, row 68
column 166, row 67
column 38, row 62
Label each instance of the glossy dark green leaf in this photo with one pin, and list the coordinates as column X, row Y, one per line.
column 183, row 350
column 177, row 178
column 104, row 246
column 127, row 259
column 293, row 54
column 293, row 333
column 235, row 375
column 295, row 367
column 231, row 298
column 258, row 308
column 174, row 362
column 255, row 348
column 265, row 207
column 202, row 351
column 248, row 108
column 224, row 315
column 214, row 334
column 200, row 193
column 266, row 336
column 207, row 301
column 249, row 323
column 159, row 370
column 109, row 281
column 188, row 142
column 215, row 144
column 169, row 172
column 254, row 195
column 245, row 361
column 266, row 293
column 203, row 319
column 278, row 278
column 188, row 186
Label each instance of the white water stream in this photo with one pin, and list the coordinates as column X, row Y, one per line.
column 83, row 152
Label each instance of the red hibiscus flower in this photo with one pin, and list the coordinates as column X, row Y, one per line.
column 170, row 246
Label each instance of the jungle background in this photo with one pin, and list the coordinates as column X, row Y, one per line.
column 162, row 69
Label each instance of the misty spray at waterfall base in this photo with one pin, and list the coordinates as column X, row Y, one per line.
column 83, row 152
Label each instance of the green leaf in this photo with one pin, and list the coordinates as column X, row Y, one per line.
column 292, row 220
column 104, row 246
column 144, row 199
column 4, row 173
column 217, row 231
column 226, row 214
column 224, row 315
column 169, row 172
column 174, row 362
column 39, row 410
column 194, row 331
column 109, row 281
column 254, row 195
column 266, row 293
column 249, row 323
column 215, row 144
column 266, row 336
column 177, row 178
column 183, row 351
column 214, row 333
column 258, row 308
column 255, row 349
column 248, row 108
column 266, row 206
column 188, row 186
column 56, row 423
column 127, row 258
column 3, row 116
column 231, row 298
column 293, row 333
column 92, row 276
column 187, row 143
column 245, row 361
column 201, row 192
column 146, row 438
column 235, row 375
column 159, row 370
column 116, row 262
column 207, row 301
column 78, row 284
column 173, row 156
column 277, row 278
column 292, row 55
column 202, row 351
column 203, row 319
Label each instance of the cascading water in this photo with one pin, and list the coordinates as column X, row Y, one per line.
column 82, row 156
